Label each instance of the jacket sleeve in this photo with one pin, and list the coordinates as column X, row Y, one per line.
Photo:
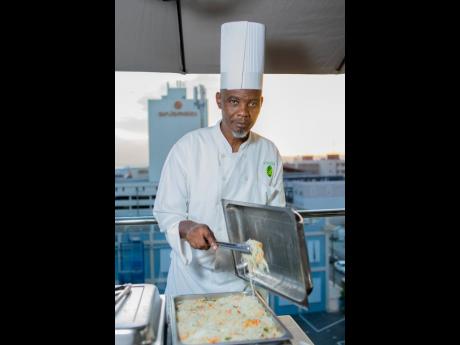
column 276, row 196
column 171, row 203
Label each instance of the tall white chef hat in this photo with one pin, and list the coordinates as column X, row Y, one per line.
column 242, row 53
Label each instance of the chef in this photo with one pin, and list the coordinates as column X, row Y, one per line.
column 225, row 161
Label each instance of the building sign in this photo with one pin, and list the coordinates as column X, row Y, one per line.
column 177, row 113
column 177, row 105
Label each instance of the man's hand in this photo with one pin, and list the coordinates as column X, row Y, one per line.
column 198, row 235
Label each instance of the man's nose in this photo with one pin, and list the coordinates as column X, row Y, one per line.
column 244, row 111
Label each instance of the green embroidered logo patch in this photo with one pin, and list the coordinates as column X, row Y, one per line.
column 269, row 168
column 269, row 171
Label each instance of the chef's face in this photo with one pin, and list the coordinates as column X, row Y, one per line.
column 240, row 109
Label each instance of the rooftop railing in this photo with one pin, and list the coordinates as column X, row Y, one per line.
column 148, row 220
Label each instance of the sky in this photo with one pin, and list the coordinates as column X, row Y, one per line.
column 301, row 114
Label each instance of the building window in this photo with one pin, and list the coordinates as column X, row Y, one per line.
column 140, row 207
column 140, row 197
column 314, row 251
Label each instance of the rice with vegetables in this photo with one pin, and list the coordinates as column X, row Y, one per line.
column 230, row 318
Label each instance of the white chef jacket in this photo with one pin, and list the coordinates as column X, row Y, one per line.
column 198, row 173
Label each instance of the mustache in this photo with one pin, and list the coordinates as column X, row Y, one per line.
column 244, row 123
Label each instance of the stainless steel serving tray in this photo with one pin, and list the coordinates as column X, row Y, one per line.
column 286, row 335
column 140, row 319
column 282, row 234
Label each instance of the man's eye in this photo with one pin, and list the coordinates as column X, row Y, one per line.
column 234, row 101
column 253, row 104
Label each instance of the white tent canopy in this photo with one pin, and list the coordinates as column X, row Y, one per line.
column 302, row 36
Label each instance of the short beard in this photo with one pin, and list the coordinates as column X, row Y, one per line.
column 239, row 135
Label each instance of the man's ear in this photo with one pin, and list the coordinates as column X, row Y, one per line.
column 261, row 100
column 219, row 99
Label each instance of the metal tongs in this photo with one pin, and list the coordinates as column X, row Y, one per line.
column 122, row 291
column 239, row 247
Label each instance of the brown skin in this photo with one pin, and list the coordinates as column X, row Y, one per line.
column 240, row 109
column 198, row 235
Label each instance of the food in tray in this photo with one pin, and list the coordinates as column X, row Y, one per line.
column 255, row 260
column 235, row 317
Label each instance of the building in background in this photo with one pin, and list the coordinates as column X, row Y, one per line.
column 134, row 194
column 330, row 165
column 317, row 195
column 142, row 254
column 170, row 118
column 309, row 169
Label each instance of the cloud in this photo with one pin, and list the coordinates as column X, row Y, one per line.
column 135, row 125
column 153, row 94
column 131, row 153
column 126, row 135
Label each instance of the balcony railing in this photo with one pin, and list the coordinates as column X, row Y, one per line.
column 148, row 220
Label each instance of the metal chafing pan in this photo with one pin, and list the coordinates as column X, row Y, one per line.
column 286, row 335
column 140, row 316
column 282, row 235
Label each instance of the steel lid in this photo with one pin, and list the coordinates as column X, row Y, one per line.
column 139, row 310
column 282, row 234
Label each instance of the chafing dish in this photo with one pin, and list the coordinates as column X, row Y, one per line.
column 285, row 333
column 139, row 315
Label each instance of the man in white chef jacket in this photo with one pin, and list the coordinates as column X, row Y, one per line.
column 226, row 161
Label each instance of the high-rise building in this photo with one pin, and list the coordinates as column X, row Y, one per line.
column 141, row 251
column 170, row 118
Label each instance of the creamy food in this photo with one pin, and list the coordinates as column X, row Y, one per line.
column 230, row 318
